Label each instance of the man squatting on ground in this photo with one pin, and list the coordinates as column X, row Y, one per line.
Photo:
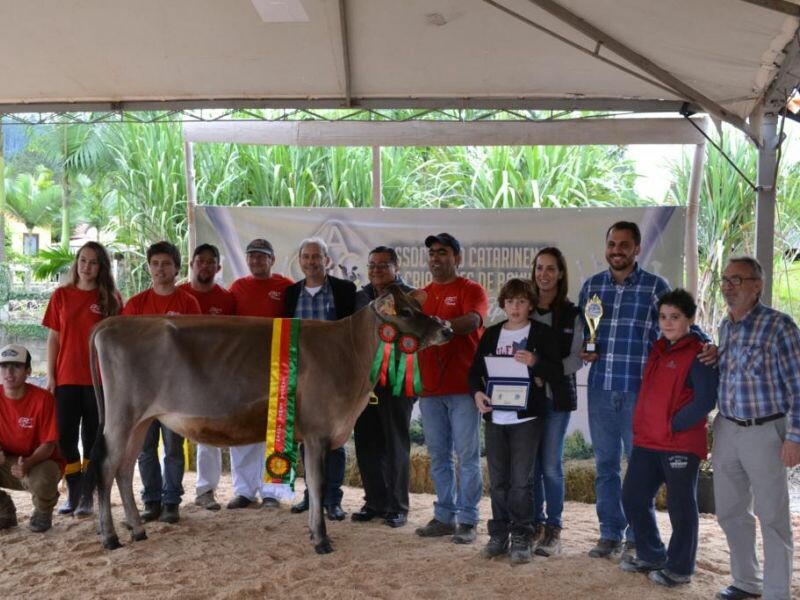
column 29, row 458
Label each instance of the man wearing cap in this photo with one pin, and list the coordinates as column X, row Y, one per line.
column 29, row 458
column 260, row 294
column 756, row 433
column 162, row 492
column 449, row 416
column 323, row 297
column 213, row 300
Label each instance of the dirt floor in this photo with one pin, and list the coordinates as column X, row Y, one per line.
column 266, row 553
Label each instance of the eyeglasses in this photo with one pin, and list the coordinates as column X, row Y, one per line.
column 735, row 280
column 378, row 266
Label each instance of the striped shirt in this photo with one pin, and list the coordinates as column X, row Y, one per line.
column 627, row 329
column 320, row 306
column 759, row 366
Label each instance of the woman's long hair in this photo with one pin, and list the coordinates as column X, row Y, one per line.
column 563, row 284
column 107, row 294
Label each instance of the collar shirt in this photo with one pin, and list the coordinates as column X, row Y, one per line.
column 759, row 365
column 368, row 293
column 320, row 306
column 627, row 329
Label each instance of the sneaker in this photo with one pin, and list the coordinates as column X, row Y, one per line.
column 550, row 544
column 206, row 500
column 171, row 514
column 40, row 521
column 668, row 578
column 497, row 546
column 606, row 549
column 239, row 502
column 628, row 550
column 520, row 549
column 436, row 528
column 631, row 564
column 270, row 503
column 465, row 533
column 538, row 535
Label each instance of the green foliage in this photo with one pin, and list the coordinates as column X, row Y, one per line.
column 33, row 198
column 416, row 433
column 22, row 331
column 576, row 447
column 51, row 262
column 5, row 283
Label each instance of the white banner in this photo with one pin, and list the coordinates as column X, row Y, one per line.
column 497, row 245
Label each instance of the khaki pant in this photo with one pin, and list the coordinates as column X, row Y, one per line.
column 41, row 482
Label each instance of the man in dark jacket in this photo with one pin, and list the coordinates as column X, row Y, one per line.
column 382, row 431
column 323, row 297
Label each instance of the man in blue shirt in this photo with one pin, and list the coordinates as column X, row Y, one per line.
column 756, row 433
column 627, row 329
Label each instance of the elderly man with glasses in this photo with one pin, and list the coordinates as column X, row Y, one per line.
column 381, row 433
column 756, row 433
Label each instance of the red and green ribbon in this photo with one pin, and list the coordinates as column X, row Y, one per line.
column 280, row 455
column 402, row 375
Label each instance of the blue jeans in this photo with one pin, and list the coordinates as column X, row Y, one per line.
column 611, row 428
column 453, row 423
column 169, row 488
column 548, row 476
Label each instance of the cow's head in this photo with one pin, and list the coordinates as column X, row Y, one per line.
column 405, row 313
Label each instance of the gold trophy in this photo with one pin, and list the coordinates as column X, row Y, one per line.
column 593, row 311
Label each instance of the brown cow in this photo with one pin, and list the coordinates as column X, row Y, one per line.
column 207, row 379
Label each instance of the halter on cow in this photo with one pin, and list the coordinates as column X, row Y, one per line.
column 207, row 379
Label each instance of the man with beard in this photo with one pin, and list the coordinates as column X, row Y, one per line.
column 213, row 300
column 626, row 331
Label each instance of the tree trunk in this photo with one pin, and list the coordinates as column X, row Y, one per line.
column 2, row 199
column 65, row 228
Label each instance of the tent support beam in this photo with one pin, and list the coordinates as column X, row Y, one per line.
column 345, row 52
column 191, row 193
column 377, row 183
column 642, row 62
column 777, row 5
column 692, row 216
column 765, row 203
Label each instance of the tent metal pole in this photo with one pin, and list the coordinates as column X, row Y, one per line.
column 765, row 203
column 191, row 194
column 377, row 199
column 692, row 214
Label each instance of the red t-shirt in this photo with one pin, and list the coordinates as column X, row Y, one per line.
column 444, row 368
column 72, row 313
column 260, row 297
column 217, row 301
column 29, row 422
column 150, row 303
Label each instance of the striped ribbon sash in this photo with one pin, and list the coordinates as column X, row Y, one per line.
column 280, row 455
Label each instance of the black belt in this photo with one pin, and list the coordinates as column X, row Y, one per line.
column 758, row 421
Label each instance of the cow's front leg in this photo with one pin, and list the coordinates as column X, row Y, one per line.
column 314, row 458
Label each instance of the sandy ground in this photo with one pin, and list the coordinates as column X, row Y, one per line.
column 263, row 553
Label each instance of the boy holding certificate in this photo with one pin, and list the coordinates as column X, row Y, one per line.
column 517, row 363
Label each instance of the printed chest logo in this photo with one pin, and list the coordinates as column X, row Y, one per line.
column 671, row 364
column 274, row 295
column 214, row 310
column 25, row 422
column 172, row 313
column 450, row 300
column 95, row 308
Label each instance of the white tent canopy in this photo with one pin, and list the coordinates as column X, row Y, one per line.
column 721, row 55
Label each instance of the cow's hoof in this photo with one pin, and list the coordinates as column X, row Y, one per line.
column 324, row 547
column 139, row 537
column 112, row 543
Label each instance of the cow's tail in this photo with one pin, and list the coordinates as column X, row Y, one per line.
column 94, row 475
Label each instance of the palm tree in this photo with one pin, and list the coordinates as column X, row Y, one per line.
column 33, row 198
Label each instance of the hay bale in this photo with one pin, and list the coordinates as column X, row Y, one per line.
column 579, row 476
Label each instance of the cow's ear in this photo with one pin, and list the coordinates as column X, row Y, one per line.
column 418, row 296
column 384, row 305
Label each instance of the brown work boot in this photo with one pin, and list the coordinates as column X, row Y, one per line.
column 550, row 544
column 8, row 512
column 40, row 521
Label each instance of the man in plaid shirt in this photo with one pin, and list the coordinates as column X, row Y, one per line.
column 627, row 330
column 756, row 433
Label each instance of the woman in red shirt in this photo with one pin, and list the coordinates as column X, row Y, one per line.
column 74, row 309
